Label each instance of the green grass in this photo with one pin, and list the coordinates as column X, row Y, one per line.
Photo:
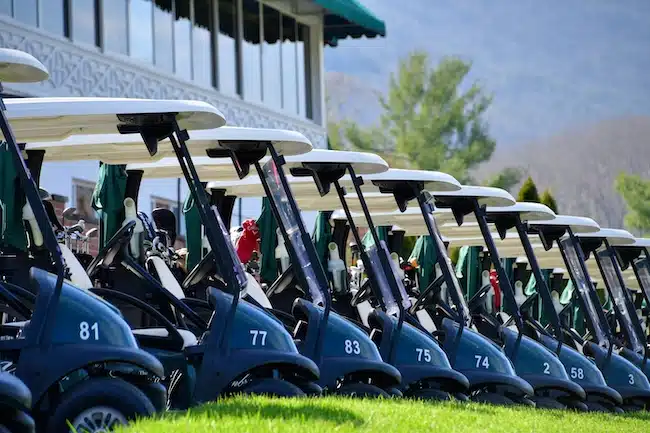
column 332, row 414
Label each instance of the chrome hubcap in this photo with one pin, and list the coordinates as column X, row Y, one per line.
column 100, row 419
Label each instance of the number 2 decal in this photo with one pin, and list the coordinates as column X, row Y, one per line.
column 547, row 368
column 482, row 361
column 86, row 330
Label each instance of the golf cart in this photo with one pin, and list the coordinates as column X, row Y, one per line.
column 74, row 351
column 237, row 349
column 532, row 362
column 598, row 343
column 426, row 372
column 636, row 254
column 599, row 396
column 349, row 362
column 630, row 338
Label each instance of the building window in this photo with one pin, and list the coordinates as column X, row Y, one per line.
column 54, row 16
column 251, row 55
column 163, row 22
column 172, row 205
column 141, row 30
column 304, row 72
column 26, row 11
column 271, row 66
column 84, row 21
column 115, row 26
column 227, row 47
column 82, row 196
column 183, row 39
column 202, row 48
column 289, row 65
column 6, row 7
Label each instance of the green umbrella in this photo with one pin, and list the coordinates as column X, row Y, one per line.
column 424, row 254
column 108, row 199
column 382, row 233
column 268, row 241
column 12, row 200
column 468, row 269
column 322, row 236
column 193, row 239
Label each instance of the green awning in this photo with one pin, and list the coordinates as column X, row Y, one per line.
column 345, row 18
column 12, row 200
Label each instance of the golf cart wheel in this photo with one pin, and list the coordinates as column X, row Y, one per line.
column 394, row 392
column 492, row 398
column 311, row 389
column 548, row 403
column 362, row 390
column 577, row 405
column 19, row 422
column 594, row 406
column 274, row 388
column 99, row 405
column 430, row 394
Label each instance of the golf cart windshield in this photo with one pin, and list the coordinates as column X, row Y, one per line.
column 237, row 266
column 642, row 269
column 290, row 221
column 609, row 271
column 447, row 268
column 582, row 282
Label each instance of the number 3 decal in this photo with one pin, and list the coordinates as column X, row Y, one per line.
column 86, row 330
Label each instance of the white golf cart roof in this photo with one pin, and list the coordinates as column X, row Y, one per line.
column 304, row 188
column 433, row 181
column 67, row 127
column 20, row 67
column 638, row 242
column 575, row 223
column 285, row 142
column 486, row 195
column 617, row 236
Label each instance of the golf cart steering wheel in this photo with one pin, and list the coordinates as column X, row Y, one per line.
column 528, row 302
column 112, row 248
column 478, row 297
column 432, row 289
column 362, row 295
column 206, row 266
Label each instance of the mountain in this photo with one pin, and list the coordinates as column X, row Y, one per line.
column 569, row 78
column 580, row 165
column 551, row 65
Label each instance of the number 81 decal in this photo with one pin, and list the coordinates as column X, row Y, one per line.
column 86, row 331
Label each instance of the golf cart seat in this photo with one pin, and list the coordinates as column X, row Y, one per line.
column 189, row 339
column 157, row 266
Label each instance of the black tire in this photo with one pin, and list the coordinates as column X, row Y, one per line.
column 548, row 403
column 362, row 390
column 395, row 393
column 16, row 421
column 492, row 398
column 116, row 394
column 430, row 394
column 461, row 397
column 157, row 395
column 311, row 389
column 593, row 406
column 577, row 405
column 273, row 387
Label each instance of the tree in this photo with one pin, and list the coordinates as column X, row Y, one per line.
column 528, row 192
column 548, row 199
column 635, row 191
column 428, row 121
column 506, row 179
